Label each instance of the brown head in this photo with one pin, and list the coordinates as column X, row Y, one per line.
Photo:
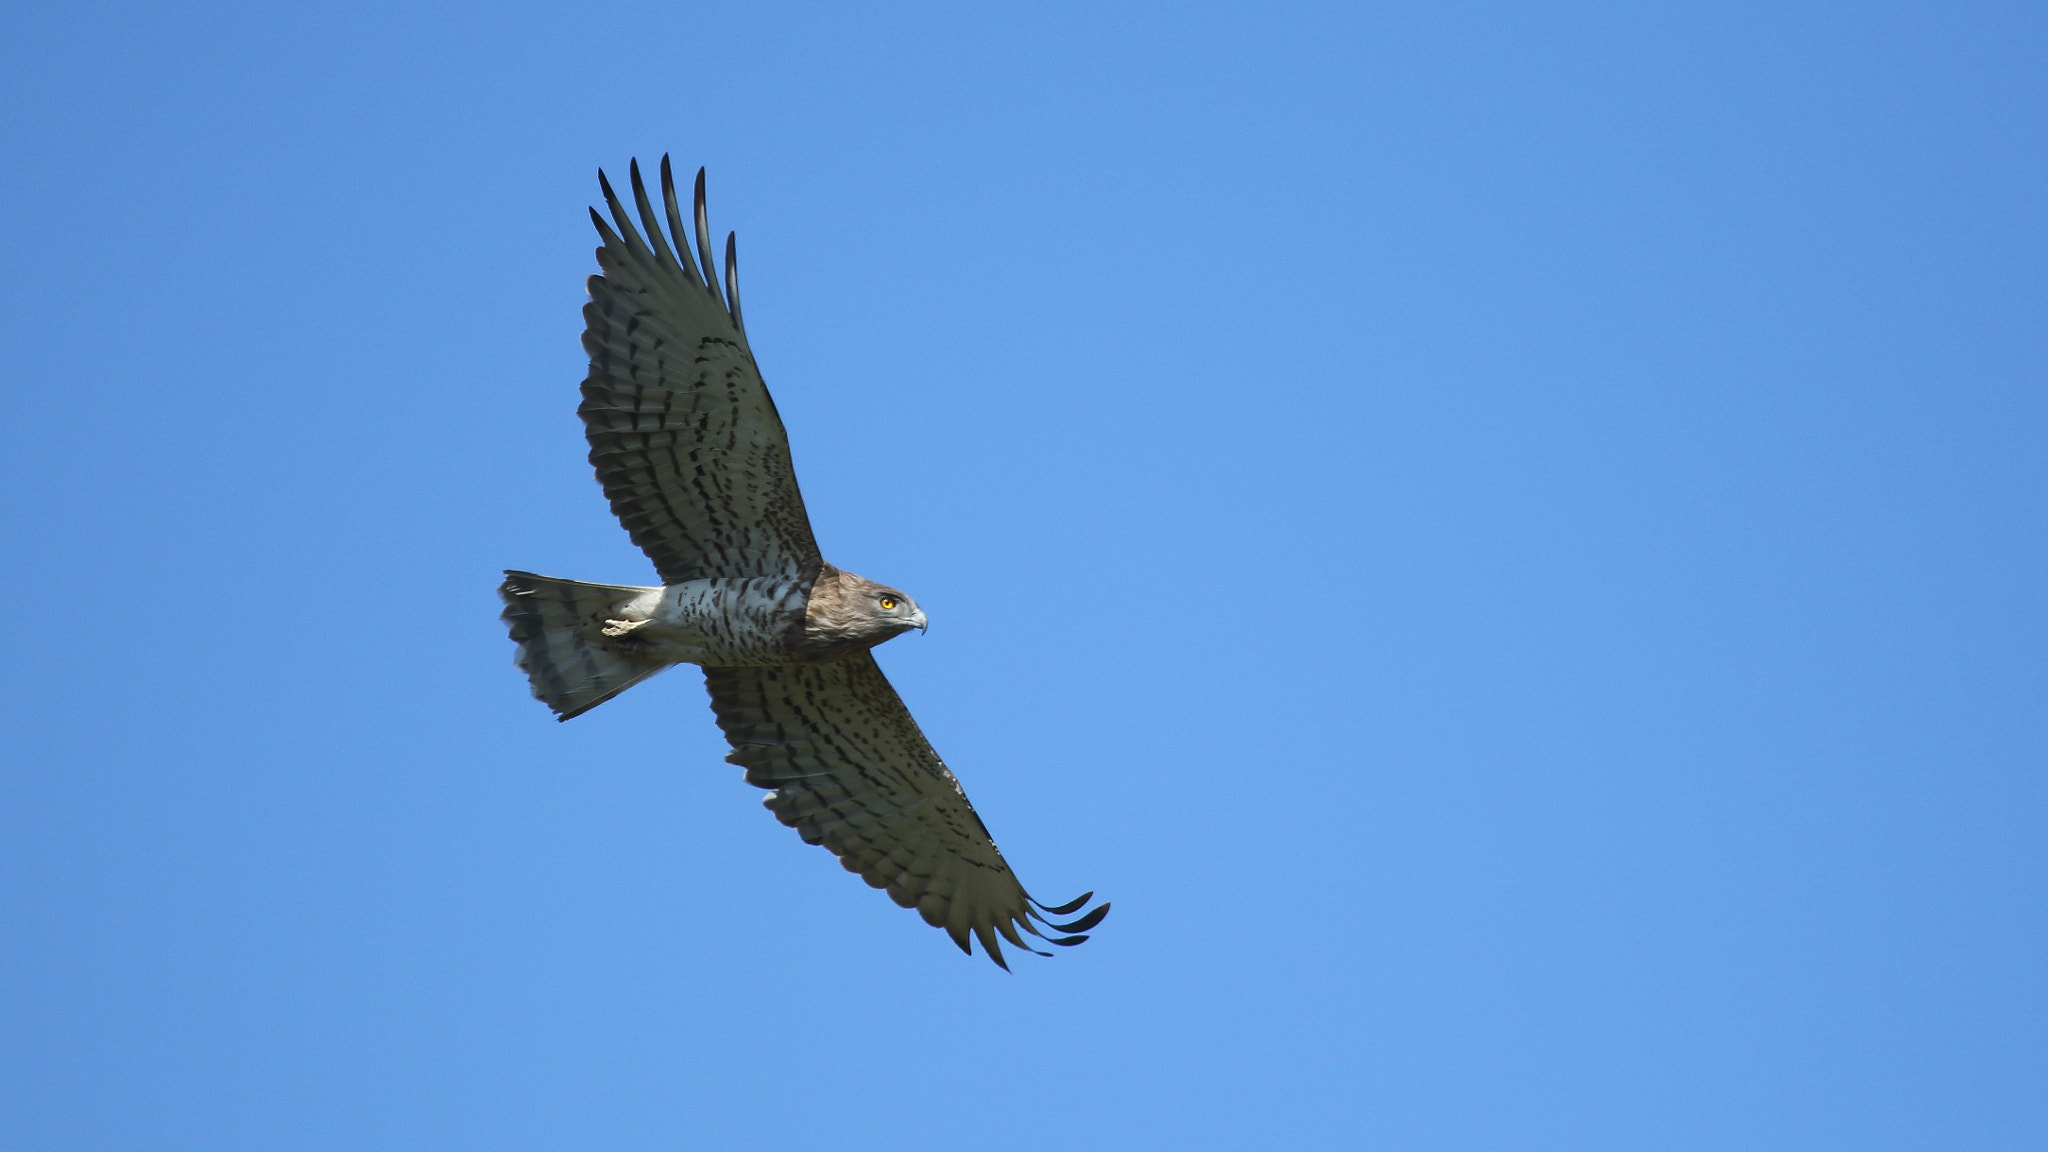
column 848, row 613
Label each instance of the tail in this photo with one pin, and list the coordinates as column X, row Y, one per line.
column 564, row 650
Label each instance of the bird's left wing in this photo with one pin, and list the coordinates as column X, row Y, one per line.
column 850, row 770
column 683, row 433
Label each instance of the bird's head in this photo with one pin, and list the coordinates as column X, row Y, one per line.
column 855, row 612
column 889, row 613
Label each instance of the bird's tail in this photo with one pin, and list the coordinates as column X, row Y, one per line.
column 565, row 648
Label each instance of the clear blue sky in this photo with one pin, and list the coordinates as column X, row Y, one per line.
column 1507, row 539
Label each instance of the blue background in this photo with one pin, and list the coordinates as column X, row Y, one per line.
column 1507, row 539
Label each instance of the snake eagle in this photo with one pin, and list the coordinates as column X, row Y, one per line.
column 693, row 457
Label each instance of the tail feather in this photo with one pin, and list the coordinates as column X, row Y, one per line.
column 559, row 627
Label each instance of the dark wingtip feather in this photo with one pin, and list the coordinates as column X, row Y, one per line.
column 1073, row 905
column 674, row 212
column 1067, row 941
column 605, row 233
column 634, row 248
column 648, row 220
column 732, row 279
column 991, row 945
column 704, row 240
column 1008, row 927
column 1084, row 923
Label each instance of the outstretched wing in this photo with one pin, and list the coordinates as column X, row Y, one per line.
column 850, row 770
column 684, row 437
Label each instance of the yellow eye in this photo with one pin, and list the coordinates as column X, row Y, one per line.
column 888, row 601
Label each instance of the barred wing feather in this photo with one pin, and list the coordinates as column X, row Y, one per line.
column 683, row 434
column 850, row 770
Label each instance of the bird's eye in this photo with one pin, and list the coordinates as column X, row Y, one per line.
column 888, row 602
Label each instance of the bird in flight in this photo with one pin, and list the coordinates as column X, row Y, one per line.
column 693, row 457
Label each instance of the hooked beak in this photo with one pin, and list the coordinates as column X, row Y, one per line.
column 920, row 623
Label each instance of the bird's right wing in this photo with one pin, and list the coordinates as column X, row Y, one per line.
column 684, row 437
column 850, row 770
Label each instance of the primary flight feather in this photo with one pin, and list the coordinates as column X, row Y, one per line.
column 692, row 455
